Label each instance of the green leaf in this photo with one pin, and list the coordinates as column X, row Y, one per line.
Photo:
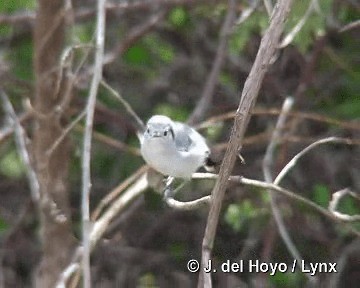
column 178, row 17
column 160, row 49
column 138, row 55
column 321, row 195
column 3, row 225
column 11, row 165
column 13, row 6
column 237, row 214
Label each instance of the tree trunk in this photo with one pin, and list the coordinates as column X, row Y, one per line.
column 52, row 170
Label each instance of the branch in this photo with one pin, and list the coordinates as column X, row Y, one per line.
column 139, row 122
column 296, row 158
column 100, row 226
column 86, row 181
column 134, row 35
column 286, row 192
column 20, row 140
column 266, row 166
column 251, row 89
column 114, row 193
column 336, row 197
column 212, row 80
column 297, row 28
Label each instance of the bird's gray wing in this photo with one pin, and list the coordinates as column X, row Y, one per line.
column 182, row 139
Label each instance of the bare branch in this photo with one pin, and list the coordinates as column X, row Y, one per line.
column 117, row 190
column 112, row 142
column 90, row 109
column 267, row 163
column 296, row 158
column 21, row 146
column 353, row 125
column 286, row 192
column 188, row 205
column 139, row 122
column 251, row 89
column 268, row 6
column 135, row 34
column 212, row 80
column 352, row 25
column 297, row 28
column 246, row 13
column 336, row 197
column 101, row 224
column 65, row 132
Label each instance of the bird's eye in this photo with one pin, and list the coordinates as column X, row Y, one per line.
column 147, row 130
column 165, row 133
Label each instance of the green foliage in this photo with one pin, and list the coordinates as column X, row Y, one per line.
column 174, row 112
column 137, row 54
column 257, row 23
column 236, row 215
column 321, row 195
column 9, row 6
column 177, row 250
column 178, row 17
column 287, row 279
column 347, row 206
column 160, row 49
column 3, row 226
column 84, row 33
column 21, row 59
column 11, row 165
column 214, row 131
column 314, row 25
column 147, row 280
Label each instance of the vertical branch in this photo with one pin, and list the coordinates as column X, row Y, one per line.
column 251, row 89
column 212, row 80
column 267, row 162
column 52, row 170
column 86, row 181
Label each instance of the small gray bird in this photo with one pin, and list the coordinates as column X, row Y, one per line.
column 173, row 148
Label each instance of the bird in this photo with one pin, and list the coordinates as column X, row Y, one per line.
column 173, row 148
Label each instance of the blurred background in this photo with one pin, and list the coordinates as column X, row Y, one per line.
column 158, row 56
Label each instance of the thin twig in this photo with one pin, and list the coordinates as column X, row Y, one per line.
column 336, row 197
column 114, row 193
column 7, row 131
column 250, row 92
column 118, row 205
column 267, row 163
column 20, row 140
column 288, row 193
column 268, row 6
column 90, row 109
column 297, row 28
column 296, row 158
column 212, row 80
column 246, row 13
column 101, row 224
column 65, row 133
column 139, row 122
column 352, row 25
column 111, row 142
column 188, row 205
column 354, row 125
column 134, row 35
